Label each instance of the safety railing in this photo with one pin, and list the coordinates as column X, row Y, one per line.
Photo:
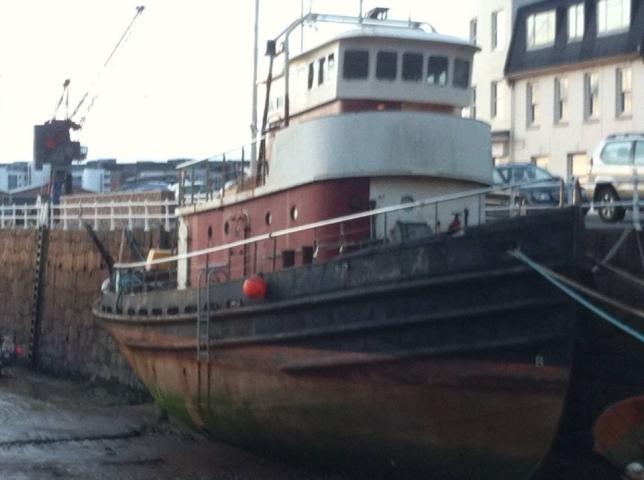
column 144, row 215
column 318, row 241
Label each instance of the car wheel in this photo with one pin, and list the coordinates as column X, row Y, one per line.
column 609, row 213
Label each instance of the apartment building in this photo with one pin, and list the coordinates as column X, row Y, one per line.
column 490, row 28
column 575, row 70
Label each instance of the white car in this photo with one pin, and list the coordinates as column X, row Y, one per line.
column 617, row 162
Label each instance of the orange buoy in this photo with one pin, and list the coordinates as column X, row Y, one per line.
column 255, row 287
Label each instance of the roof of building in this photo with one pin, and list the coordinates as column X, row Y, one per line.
column 591, row 47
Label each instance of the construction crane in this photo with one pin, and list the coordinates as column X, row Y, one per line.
column 52, row 139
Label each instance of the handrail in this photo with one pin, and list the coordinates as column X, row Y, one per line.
column 325, row 223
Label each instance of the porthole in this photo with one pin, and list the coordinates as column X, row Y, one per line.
column 294, row 213
column 226, row 228
column 268, row 218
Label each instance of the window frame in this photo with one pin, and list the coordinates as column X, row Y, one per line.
column 623, row 94
column 405, row 66
column 445, row 71
column 456, row 65
column 603, row 28
column 474, row 26
column 497, row 27
column 532, row 104
column 494, row 98
column 573, row 19
column 592, row 105
column 561, row 85
column 531, row 26
column 383, row 54
column 358, row 52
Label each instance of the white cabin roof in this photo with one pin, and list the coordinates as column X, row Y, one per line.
column 393, row 33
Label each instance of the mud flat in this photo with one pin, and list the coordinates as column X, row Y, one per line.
column 59, row 429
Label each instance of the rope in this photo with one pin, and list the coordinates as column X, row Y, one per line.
column 621, row 273
column 557, row 281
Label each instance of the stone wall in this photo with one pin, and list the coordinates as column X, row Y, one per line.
column 17, row 264
column 71, row 340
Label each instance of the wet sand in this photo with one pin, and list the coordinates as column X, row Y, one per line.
column 59, row 429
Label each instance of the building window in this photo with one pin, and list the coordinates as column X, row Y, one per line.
column 412, row 67
column 591, row 96
column 561, row 99
column 437, row 71
column 540, row 161
column 356, row 64
column 578, row 164
column 576, row 22
column 624, row 92
column 494, row 98
column 386, row 65
column 613, row 15
column 12, row 182
column 461, row 73
column 473, row 30
column 498, row 25
column 532, row 104
column 321, row 70
column 541, row 29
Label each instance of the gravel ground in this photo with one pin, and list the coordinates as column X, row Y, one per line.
column 59, row 429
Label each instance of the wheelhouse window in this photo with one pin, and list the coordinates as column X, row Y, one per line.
column 311, row 75
column 386, row 65
column 575, row 22
column 532, row 104
column 591, row 96
column 561, row 99
column 412, row 69
column 541, row 29
column 330, row 65
column 624, row 91
column 356, row 64
column 461, row 73
column 321, row 70
column 437, row 71
column 613, row 15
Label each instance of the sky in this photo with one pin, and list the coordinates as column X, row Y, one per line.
column 179, row 87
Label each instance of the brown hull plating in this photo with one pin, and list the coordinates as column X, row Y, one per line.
column 459, row 371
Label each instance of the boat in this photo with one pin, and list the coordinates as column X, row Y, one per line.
column 348, row 304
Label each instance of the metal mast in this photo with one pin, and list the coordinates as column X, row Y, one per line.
column 253, row 126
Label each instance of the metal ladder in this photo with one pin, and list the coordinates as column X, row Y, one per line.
column 204, row 309
column 36, row 301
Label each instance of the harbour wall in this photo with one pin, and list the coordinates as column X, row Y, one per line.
column 68, row 340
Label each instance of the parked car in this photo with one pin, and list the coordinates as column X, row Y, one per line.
column 536, row 187
column 614, row 165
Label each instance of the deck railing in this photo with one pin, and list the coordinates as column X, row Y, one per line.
column 100, row 215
